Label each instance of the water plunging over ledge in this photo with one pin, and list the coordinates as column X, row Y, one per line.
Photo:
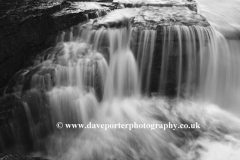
column 121, row 69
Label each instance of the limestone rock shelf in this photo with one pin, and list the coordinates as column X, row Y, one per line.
column 150, row 17
column 191, row 4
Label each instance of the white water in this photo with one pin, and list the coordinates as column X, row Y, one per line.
column 122, row 101
column 144, row 57
column 210, row 72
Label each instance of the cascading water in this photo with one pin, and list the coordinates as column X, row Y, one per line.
column 122, row 79
column 204, row 65
column 104, row 71
column 144, row 57
column 223, row 73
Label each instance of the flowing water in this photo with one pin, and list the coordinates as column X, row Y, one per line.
column 107, row 75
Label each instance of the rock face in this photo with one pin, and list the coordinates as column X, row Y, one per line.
column 30, row 28
column 17, row 157
column 13, row 122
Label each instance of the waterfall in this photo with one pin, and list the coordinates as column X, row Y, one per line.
column 82, row 75
column 144, row 57
column 105, row 72
column 204, row 65
column 122, row 79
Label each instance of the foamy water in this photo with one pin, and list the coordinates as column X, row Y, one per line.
column 217, row 138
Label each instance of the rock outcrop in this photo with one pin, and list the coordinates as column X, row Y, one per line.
column 18, row 157
column 32, row 27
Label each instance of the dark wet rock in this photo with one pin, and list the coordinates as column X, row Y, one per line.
column 13, row 122
column 24, row 80
column 6, row 5
column 24, row 31
column 24, row 120
column 78, row 12
column 41, row 69
column 28, row 29
column 7, row 156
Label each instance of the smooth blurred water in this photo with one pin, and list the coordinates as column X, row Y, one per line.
column 223, row 15
column 202, row 86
